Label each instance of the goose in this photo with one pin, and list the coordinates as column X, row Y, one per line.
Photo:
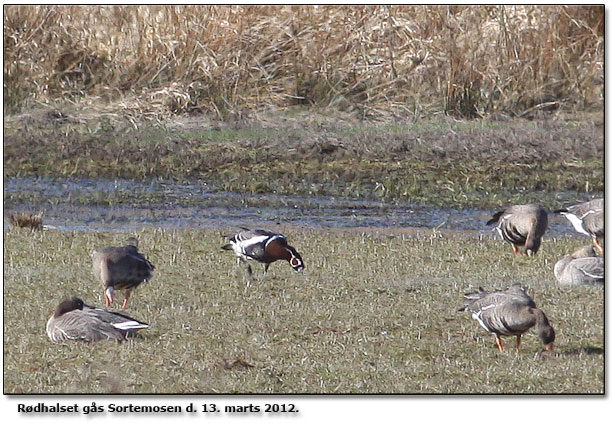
column 521, row 226
column 75, row 320
column 121, row 268
column 509, row 313
column 588, row 219
column 583, row 266
column 265, row 247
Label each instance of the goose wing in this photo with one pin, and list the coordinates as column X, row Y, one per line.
column 253, row 243
column 255, row 233
column 594, row 223
column 81, row 325
column 495, row 310
column 118, row 320
column 586, row 270
column 587, row 218
column 507, row 318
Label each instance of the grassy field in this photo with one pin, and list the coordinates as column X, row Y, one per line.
column 350, row 102
column 374, row 312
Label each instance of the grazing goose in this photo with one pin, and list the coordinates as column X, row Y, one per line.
column 75, row 320
column 521, row 226
column 121, row 268
column 587, row 218
column 510, row 312
column 265, row 247
column 583, row 266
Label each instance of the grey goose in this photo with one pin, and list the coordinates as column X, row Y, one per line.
column 583, row 267
column 521, row 226
column 587, row 218
column 509, row 313
column 121, row 268
column 75, row 320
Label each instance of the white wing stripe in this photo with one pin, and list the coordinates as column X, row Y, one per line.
column 591, row 275
column 477, row 317
column 130, row 324
column 252, row 241
column 272, row 238
column 576, row 222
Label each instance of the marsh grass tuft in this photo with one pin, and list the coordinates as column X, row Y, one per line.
column 443, row 162
column 26, row 220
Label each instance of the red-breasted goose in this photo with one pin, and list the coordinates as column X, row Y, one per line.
column 265, row 247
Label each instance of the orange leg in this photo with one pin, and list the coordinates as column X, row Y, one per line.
column 124, row 305
column 518, row 343
column 499, row 343
column 597, row 246
column 107, row 300
column 515, row 249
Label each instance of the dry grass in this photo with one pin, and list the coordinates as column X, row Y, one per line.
column 374, row 312
column 373, row 61
column 26, row 220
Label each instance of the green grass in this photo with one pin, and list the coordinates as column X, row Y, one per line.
column 374, row 312
column 445, row 163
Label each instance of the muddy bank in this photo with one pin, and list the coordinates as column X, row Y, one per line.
column 442, row 163
column 128, row 205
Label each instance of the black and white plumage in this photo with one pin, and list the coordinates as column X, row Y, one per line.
column 121, row 268
column 583, row 267
column 509, row 313
column 588, row 219
column 522, row 226
column 265, row 247
column 75, row 320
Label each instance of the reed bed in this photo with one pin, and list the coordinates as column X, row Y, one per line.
column 153, row 62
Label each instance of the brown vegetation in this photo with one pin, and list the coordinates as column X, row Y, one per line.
column 373, row 61
column 26, row 220
column 451, row 163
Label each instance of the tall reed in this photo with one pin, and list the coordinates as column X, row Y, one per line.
column 153, row 61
